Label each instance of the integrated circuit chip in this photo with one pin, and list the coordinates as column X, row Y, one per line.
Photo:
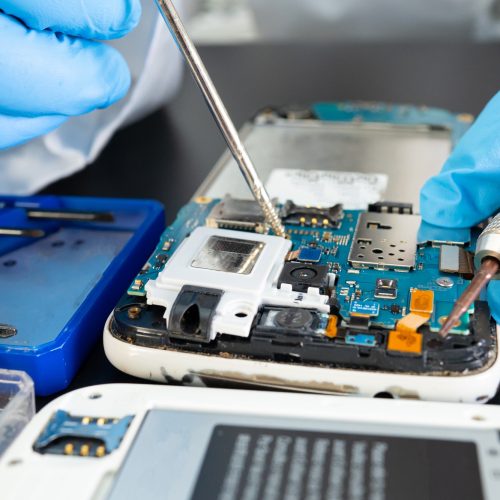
column 309, row 254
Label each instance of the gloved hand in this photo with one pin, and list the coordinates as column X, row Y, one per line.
column 50, row 66
column 467, row 190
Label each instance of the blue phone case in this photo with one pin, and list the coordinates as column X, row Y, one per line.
column 56, row 291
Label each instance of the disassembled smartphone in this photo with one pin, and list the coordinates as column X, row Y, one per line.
column 149, row 442
column 350, row 303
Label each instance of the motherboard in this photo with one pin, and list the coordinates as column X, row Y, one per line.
column 346, row 288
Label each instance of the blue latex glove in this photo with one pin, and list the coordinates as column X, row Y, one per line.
column 467, row 190
column 50, row 66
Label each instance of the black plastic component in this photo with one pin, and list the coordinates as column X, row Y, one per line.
column 304, row 216
column 391, row 207
column 334, row 306
column 454, row 354
column 192, row 312
column 359, row 323
column 302, row 276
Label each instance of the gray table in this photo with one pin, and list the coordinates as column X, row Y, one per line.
column 168, row 154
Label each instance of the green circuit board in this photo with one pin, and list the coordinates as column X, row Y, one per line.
column 355, row 287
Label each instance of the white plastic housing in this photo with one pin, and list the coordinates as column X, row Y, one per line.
column 160, row 364
column 243, row 293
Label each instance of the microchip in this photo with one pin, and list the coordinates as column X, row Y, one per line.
column 296, row 215
column 161, row 258
column 386, row 288
column 308, row 254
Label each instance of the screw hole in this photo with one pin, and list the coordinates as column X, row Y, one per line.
column 391, row 254
column 377, row 250
column 241, row 315
column 10, row 263
column 384, row 395
column 401, row 260
column 95, row 395
column 58, row 243
column 361, row 256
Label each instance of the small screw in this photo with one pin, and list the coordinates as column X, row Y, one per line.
column 7, row 331
column 445, row 282
column 134, row 312
column 478, row 418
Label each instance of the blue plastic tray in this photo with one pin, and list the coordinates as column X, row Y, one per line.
column 57, row 291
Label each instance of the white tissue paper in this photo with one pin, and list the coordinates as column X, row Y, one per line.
column 156, row 68
column 378, row 20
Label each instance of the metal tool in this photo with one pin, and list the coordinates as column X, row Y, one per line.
column 220, row 113
column 487, row 260
column 26, row 233
column 69, row 215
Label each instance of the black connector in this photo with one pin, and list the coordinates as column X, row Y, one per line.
column 192, row 313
